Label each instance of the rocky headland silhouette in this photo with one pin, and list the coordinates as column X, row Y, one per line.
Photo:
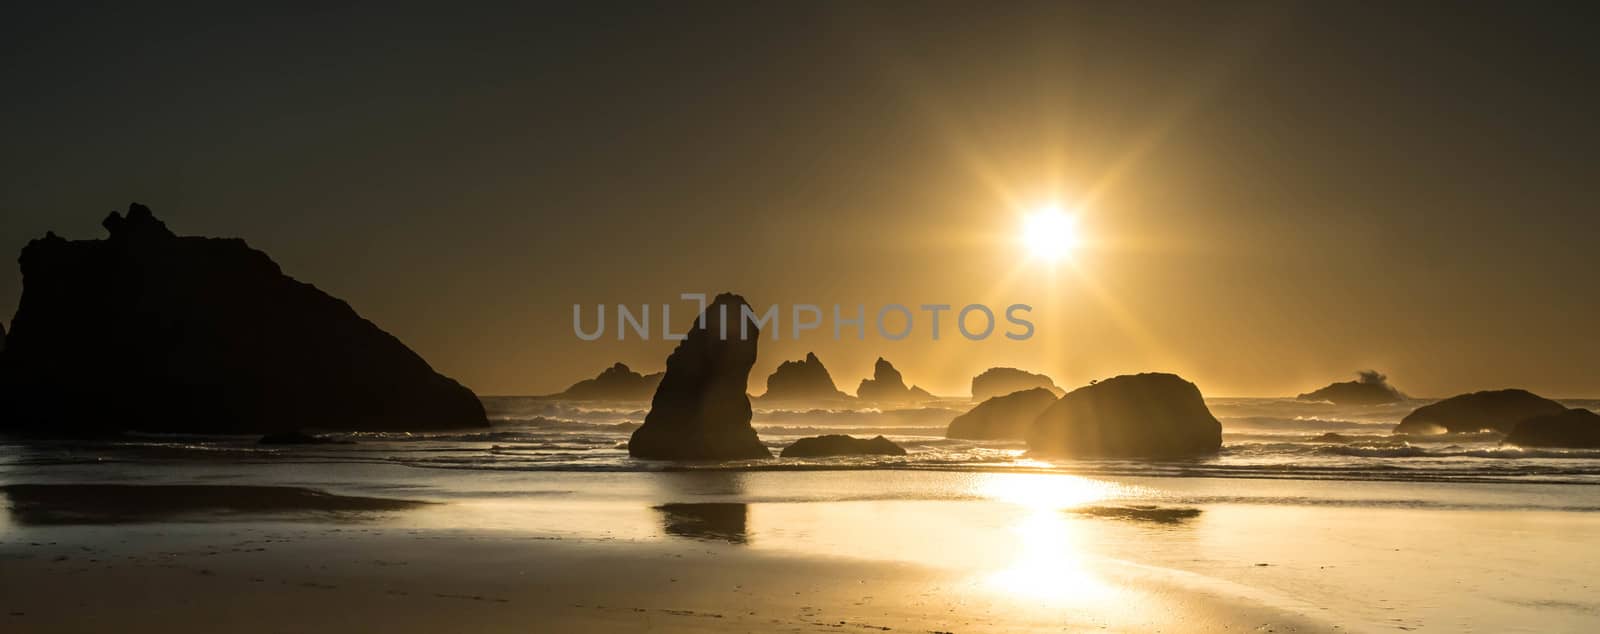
column 1495, row 410
column 616, row 383
column 804, row 380
column 150, row 331
column 1002, row 381
column 1152, row 415
column 700, row 410
column 1002, row 417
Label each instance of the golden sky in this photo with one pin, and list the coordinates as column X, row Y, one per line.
column 1271, row 196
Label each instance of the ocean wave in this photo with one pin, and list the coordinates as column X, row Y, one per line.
column 529, row 429
column 852, row 430
column 1456, row 451
column 1298, row 423
column 923, row 416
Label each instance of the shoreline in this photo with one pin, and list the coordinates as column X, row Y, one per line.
column 948, row 552
column 254, row 578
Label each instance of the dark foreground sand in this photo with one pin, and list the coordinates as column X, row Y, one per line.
column 310, row 563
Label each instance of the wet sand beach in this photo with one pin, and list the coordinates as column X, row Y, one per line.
column 939, row 552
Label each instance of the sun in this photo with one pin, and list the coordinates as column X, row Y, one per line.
column 1049, row 234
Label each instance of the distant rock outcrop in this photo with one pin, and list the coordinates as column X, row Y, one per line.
column 1141, row 415
column 1002, row 417
column 805, row 380
column 841, row 445
column 1370, row 388
column 700, row 410
column 616, row 383
column 886, row 386
column 149, row 331
column 1002, row 381
column 1574, row 428
column 1497, row 410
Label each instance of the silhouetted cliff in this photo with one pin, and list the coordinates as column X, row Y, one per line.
column 700, row 410
column 1002, row 417
column 1498, row 410
column 1370, row 388
column 1140, row 415
column 145, row 330
column 886, row 386
column 1574, row 428
column 1002, row 381
column 616, row 383
column 804, row 380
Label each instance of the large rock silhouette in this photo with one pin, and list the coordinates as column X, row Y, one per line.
column 1003, row 417
column 1132, row 416
column 146, row 330
column 1574, row 428
column 886, row 386
column 805, row 380
column 1496, row 410
column 1370, row 388
column 1002, row 381
column 616, row 383
column 700, row 410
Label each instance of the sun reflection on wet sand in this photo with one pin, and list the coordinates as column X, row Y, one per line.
column 1049, row 562
column 1048, row 491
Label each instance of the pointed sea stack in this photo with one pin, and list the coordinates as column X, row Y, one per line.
column 887, row 386
column 700, row 410
column 150, row 331
column 1133, row 416
column 805, row 380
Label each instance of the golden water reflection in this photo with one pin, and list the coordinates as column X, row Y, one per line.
column 1049, row 560
column 1012, row 534
column 1048, row 490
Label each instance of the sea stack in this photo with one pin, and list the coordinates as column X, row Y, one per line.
column 700, row 410
column 1494, row 410
column 1370, row 388
column 805, row 380
column 886, row 386
column 1002, row 417
column 1133, row 416
column 146, row 330
column 1573, row 429
column 616, row 383
column 842, row 445
column 1002, row 381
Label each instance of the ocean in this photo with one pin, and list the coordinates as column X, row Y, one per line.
column 1262, row 438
